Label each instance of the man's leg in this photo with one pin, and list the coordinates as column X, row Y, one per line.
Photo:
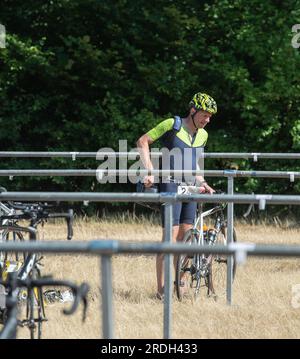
column 176, row 208
column 183, row 228
column 160, row 264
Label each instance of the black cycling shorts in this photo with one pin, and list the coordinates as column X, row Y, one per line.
column 182, row 212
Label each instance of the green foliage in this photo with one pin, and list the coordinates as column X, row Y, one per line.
column 80, row 75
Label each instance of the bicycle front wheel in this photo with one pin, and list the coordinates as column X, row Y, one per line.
column 217, row 277
column 187, row 283
column 35, row 310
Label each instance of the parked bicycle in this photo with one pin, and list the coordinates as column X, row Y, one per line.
column 202, row 270
column 11, row 213
column 35, row 213
column 34, row 299
column 25, row 265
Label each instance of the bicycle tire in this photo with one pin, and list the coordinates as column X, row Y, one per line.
column 184, row 268
column 9, row 258
column 35, row 309
column 216, row 281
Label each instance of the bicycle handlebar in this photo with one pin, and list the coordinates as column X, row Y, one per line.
column 80, row 295
column 187, row 190
column 37, row 214
column 69, row 219
column 37, row 206
column 79, row 292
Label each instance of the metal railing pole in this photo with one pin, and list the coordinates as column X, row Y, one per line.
column 261, row 199
column 103, row 175
column 229, row 240
column 101, row 155
column 107, row 297
column 168, row 270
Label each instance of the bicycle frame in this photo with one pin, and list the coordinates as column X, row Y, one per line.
column 202, row 267
column 9, row 330
column 7, row 211
column 199, row 223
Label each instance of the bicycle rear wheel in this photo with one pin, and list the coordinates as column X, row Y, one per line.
column 216, row 280
column 35, row 309
column 187, row 282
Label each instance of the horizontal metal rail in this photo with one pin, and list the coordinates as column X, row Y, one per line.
column 74, row 154
column 100, row 173
column 149, row 197
column 31, row 154
column 106, row 247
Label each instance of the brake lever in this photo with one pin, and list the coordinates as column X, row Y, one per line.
column 69, row 220
column 249, row 209
column 80, row 294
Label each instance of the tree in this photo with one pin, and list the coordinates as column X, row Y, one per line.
column 80, row 75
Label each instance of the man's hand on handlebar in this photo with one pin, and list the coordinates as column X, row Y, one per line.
column 208, row 189
column 149, row 181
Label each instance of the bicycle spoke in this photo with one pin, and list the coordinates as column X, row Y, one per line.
column 187, row 282
column 218, row 270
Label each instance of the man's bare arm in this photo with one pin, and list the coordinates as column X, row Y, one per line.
column 143, row 144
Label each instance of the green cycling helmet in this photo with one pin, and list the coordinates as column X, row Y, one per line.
column 202, row 101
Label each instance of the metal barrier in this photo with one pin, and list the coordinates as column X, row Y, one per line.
column 291, row 175
column 162, row 198
column 230, row 174
column 260, row 199
column 76, row 154
column 107, row 248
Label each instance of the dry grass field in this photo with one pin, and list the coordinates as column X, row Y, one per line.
column 262, row 300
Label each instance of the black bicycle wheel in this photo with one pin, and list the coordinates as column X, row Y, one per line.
column 11, row 261
column 216, row 280
column 35, row 309
column 187, row 283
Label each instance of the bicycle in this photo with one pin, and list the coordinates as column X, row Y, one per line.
column 28, row 268
column 35, row 213
column 7, row 261
column 34, row 285
column 211, row 270
column 24, row 264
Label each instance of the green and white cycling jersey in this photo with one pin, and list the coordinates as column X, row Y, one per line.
column 183, row 138
column 190, row 147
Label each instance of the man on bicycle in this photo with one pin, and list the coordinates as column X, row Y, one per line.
column 187, row 135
